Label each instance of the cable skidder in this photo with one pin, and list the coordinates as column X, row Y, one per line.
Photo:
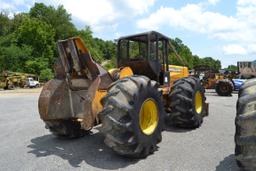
column 132, row 102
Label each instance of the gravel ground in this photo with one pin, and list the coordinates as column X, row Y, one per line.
column 27, row 145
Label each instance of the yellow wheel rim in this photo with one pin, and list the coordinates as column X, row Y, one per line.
column 148, row 117
column 198, row 102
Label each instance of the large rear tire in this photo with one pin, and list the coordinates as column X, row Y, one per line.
column 133, row 117
column 224, row 87
column 245, row 136
column 65, row 128
column 187, row 103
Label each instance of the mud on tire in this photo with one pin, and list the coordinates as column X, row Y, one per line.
column 121, row 121
column 65, row 128
column 183, row 111
column 245, row 136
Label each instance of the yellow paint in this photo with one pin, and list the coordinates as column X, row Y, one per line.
column 125, row 72
column 148, row 117
column 198, row 102
column 212, row 79
column 177, row 72
column 80, row 45
column 219, row 76
column 96, row 104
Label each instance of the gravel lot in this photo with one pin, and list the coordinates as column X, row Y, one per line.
column 27, row 145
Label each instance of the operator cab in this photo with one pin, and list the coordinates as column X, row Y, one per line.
column 146, row 54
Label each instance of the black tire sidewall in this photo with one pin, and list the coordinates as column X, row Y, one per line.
column 183, row 113
column 135, row 114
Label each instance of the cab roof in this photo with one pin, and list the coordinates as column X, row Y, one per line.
column 152, row 35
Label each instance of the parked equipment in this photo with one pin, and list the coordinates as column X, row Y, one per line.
column 212, row 79
column 31, row 83
column 247, row 69
column 245, row 150
column 132, row 102
column 10, row 80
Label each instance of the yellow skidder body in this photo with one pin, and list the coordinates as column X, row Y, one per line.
column 178, row 72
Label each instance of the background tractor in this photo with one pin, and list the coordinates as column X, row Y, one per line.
column 131, row 102
column 213, row 79
column 11, row 80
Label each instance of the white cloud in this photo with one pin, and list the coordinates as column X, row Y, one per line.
column 239, row 29
column 213, row 2
column 6, row 6
column 246, row 2
column 99, row 14
column 191, row 17
column 139, row 6
column 117, row 35
column 93, row 13
column 12, row 5
column 237, row 49
column 234, row 49
column 105, row 14
column 251, row 48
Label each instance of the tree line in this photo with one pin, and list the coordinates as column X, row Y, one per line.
column 28, row 42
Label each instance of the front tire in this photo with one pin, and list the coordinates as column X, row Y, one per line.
column 245, row 136
column 129, row 126
column 187, row 103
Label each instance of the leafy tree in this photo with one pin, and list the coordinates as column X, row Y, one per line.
column 46, row 74
column 13, row 57
column 108, row 48
column 4, row 24
column 17, row 21
column 231, row 68
column 58, row 19
column 196, row 60
column 183, row 51
column 86, row 35
column 39, row 35
column 188, row 59
column 36, row 65
column 7, row 40
column 209, row 61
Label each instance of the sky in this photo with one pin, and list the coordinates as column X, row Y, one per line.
column 222, row 29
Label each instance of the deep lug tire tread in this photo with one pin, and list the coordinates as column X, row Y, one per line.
column 182, row 103
column 120, row 117
column 245, row 136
